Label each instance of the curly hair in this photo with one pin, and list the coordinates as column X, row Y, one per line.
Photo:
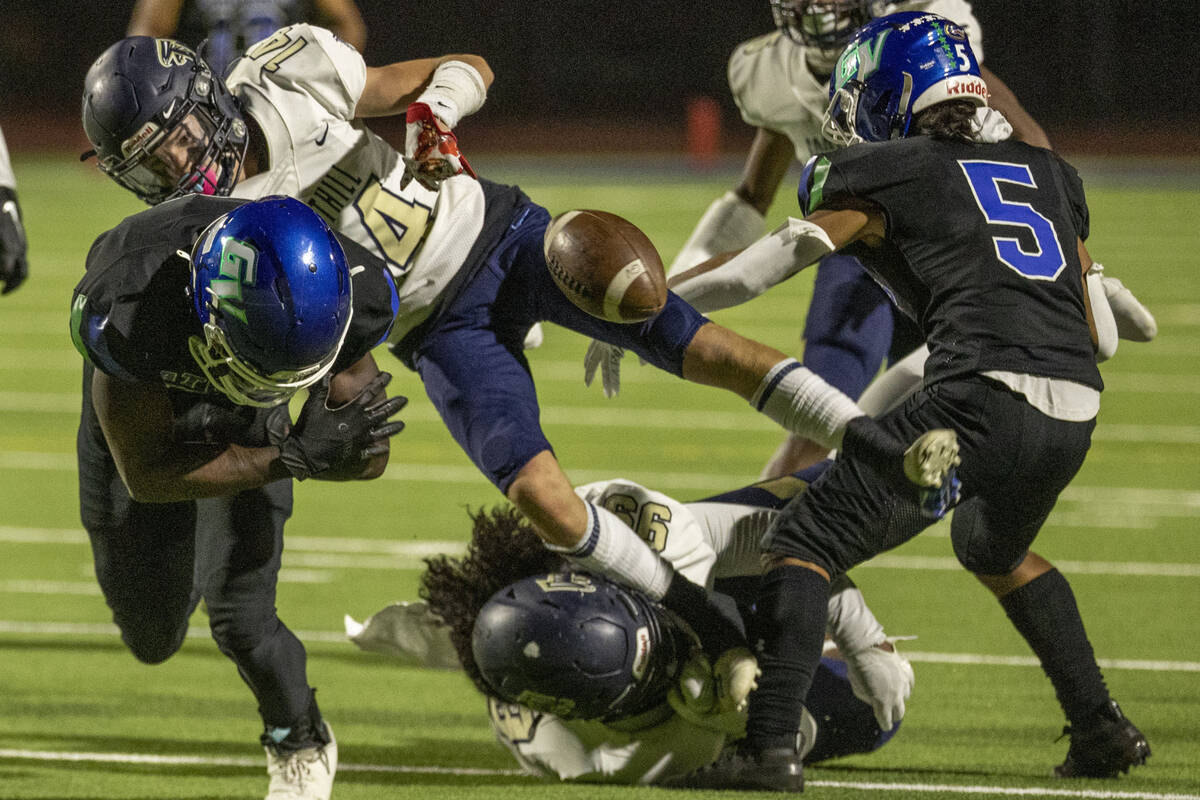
column 952, row 119
column 503, row 550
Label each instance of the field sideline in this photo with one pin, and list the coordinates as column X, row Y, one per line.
column 83, row 720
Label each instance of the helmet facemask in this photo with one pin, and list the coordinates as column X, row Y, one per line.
column 241, row 382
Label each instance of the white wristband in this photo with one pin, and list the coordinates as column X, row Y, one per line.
column 455, row 90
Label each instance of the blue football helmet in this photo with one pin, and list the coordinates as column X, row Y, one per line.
column 273, row 293
column 162, row 124
column 578, row 646
column 895, row 67
column 823, row 24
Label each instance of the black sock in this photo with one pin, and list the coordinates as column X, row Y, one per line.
column 1044, row 612
column 787, row 634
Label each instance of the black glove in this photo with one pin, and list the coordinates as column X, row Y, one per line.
column 13, row 267
column 339, row 442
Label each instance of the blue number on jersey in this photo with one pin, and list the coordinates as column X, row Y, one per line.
column 1045, row 261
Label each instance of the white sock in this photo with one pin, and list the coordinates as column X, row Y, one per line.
column 803, row 403
column 611, row 547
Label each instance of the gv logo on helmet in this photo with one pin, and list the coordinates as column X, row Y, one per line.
column 860, row 61
column 239, row 266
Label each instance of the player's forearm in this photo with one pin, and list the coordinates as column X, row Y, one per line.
column 461, row 79
column 191, row 472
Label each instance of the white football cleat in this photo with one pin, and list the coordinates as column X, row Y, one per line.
column 930, row 458
column 305, row 774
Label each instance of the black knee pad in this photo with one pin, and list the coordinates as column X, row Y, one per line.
column 985, row 555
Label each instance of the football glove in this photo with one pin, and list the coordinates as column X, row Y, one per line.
column 431, row 149
column 883, row 679
column 607, row 358
column 1135, row 323
column 337, row 443
column 14, row 269
column 694, row 697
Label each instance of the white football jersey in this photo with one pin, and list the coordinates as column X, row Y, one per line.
column 301, row 85
column 645, row 749
column 774, row 87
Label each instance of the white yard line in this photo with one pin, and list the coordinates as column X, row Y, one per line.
column 11, row 754
column 24, row 628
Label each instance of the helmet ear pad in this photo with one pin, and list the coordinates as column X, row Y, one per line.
column 272, row 291
column 579, row 646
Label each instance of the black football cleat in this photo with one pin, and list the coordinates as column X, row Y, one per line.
column 773, row 770
column 1109, row 746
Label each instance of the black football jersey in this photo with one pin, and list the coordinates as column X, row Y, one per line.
column 132, row 314
column 981, row 249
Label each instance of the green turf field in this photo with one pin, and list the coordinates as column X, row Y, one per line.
column 79, row 718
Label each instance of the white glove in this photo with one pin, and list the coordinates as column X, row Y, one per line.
column 884, row 680
column 408, row 631
column 694, row 697
column 1135, row 323
column 607, row 358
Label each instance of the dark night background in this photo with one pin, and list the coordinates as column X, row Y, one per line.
column 1100, row 76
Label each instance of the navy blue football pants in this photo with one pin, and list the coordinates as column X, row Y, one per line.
column 156, row 561
column 472, row 360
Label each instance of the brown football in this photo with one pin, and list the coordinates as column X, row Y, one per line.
column 605, row 265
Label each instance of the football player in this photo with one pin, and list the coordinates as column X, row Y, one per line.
column 856, row 702
column 230, row 27
column 198, row 319
column 467, row 256
column 780, row 83
column 931, row 213
column 14, row 268
column 583, row 706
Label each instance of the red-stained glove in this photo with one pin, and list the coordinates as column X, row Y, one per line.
column 430, row 148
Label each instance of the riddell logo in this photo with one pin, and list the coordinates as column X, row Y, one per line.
column 642, row 656
column 974, row 86
column 135, row 141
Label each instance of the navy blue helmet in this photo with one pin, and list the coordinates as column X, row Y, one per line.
column 162, row 124
column 895, row 67
column 272, row 289
column 823, row 24
column 578, row 646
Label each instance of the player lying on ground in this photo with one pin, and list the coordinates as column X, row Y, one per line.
column 469, row 264
column 198, row 319
column 589, row 708
column 982, row 245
